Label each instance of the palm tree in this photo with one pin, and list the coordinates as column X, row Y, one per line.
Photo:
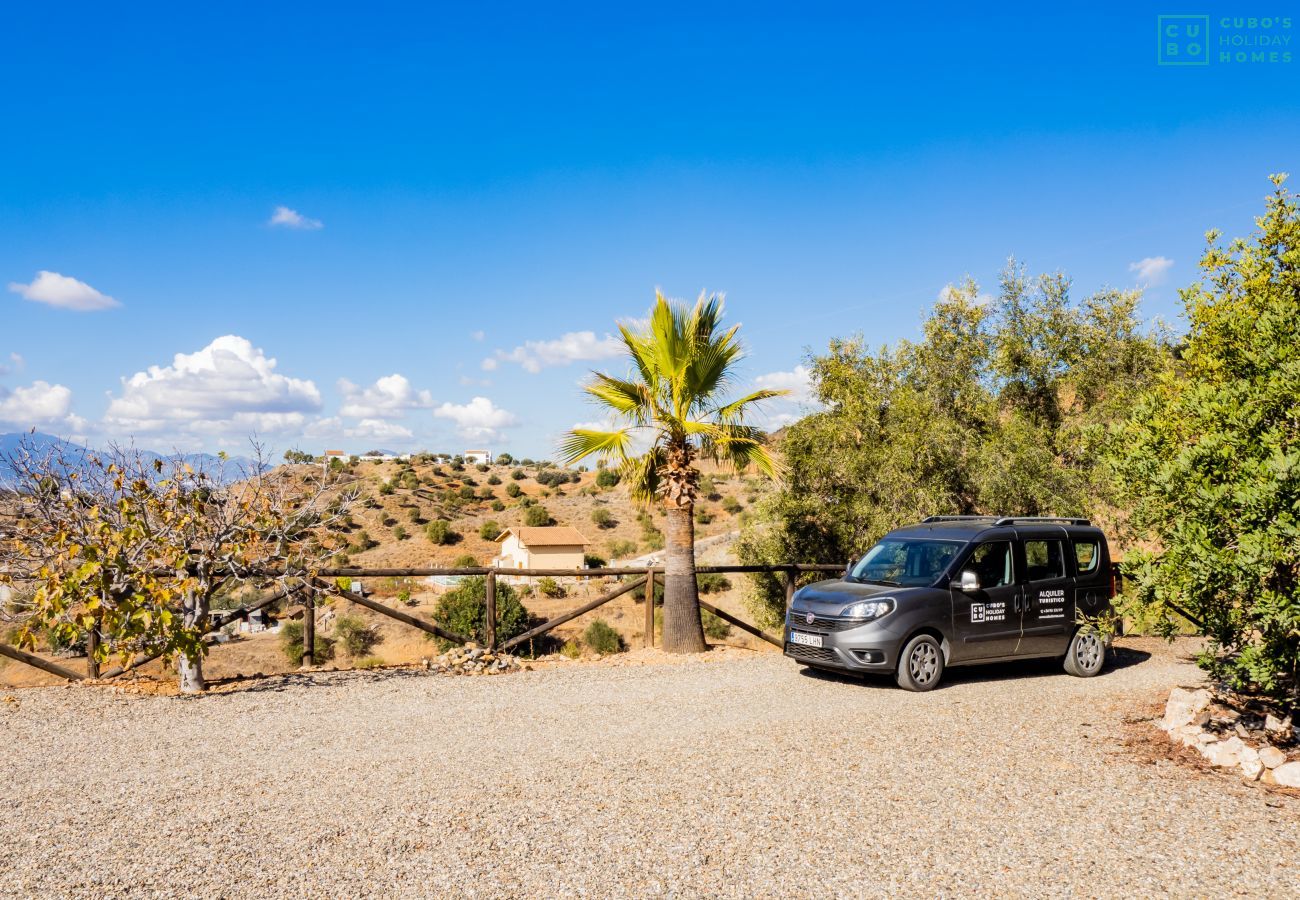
column 682, row 362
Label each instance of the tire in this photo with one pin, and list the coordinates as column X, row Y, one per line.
column 1087, row 654
column 920, row 665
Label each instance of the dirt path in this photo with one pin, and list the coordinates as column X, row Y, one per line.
column 741, row 776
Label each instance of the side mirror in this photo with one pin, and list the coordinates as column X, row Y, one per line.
column 969, row 582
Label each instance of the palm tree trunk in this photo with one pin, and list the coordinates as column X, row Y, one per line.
column 683, row 632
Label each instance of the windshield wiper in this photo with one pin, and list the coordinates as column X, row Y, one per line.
column 882, row 581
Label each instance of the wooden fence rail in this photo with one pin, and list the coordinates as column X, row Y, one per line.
column 643, row 577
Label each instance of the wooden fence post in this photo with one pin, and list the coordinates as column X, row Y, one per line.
column 650, row 609
column 789, row 588
column 92, row 647
column 490, row 604
column 308, row 628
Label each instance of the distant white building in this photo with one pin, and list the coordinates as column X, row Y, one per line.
column 477, row 457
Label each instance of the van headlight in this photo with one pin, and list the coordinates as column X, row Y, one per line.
column 869, row 609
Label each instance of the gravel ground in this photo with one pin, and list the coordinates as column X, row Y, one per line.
column 735, row 777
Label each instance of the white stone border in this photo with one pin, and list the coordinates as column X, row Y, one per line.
column 1187, row 712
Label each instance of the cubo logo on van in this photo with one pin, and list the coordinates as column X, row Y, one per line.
column 810, row 618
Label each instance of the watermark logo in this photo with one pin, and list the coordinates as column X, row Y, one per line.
column 1195, row 40
column 1183, row 40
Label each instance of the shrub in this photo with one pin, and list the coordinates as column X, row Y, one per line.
column 485, row 493
column 497, row 506
column 518, row 474
column 713, row 583
column 592, row 561
column 513, row 490
column 505, row 459
column 602, row 518
column 465, row 561
column 607, row 478
column 549, row 587
column 482, row 467
column 386, row 488
column 438, row 531
column 291, row 644
column 462, row 611
column 622, row 548
column 494, row 479
column 404, row 596
column 535, row 516
column 731, row 505
column 601, row 637
column 355, row 635
column 714, row 627
column 370, row 662
column 343, row 583
column 571, row 649
column 654, row 540
column 466, row 493
column 489, row 530
column 400, row 533
column 387, row 520
column 414, row 516
column 703, row 516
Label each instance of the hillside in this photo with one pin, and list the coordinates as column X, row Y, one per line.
column 398, row 501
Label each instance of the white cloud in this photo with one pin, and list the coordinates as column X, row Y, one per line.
column 478, row 335
column 15, row 364
column 379, row 430
column 40, row 405
column 229, row 387
column 480, row 418
column 388, row 398
column 798, row 381
column 63, row 292
column 782, row 411
column 576, row 346
column 284, row 217
column 1152, row 270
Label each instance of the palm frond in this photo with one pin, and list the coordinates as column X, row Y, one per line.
column 641, row 475
column 580, row 443
column 736, row 409
column 627, row 398
column 741, row 446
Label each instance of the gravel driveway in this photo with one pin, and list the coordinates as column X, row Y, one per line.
column 741, row 777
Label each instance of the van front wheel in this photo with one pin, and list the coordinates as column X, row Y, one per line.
column 1087, row 653
column 920, row 665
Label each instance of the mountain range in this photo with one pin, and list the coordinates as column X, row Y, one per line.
column 41, row 445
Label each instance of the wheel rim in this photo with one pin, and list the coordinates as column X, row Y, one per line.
column 923, row 663
column 1087, row 651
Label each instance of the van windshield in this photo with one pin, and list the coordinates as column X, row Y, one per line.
column 905, row 563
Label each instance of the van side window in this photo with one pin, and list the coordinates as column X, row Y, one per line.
column 1044, row 560
column 1086, row 556
column 991, row 562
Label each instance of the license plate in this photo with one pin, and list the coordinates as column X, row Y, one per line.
column 808, row 640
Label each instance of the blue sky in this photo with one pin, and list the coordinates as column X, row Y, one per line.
column 488, row 178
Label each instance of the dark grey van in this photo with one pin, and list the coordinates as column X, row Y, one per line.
column 959, row 590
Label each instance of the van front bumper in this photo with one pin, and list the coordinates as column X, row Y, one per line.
column 870, row 647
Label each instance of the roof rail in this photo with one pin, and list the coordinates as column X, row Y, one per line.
column 959, row 519
column 1041, row 520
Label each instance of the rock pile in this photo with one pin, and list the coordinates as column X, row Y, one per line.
column 472, row 659
column 1229, row 739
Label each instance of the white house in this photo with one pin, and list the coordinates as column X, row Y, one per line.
column 549, row 547
column 477, row 457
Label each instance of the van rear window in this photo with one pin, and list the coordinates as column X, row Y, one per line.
column 1087, row 556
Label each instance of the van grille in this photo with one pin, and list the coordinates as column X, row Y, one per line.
column 820, row 654
column 799, row 620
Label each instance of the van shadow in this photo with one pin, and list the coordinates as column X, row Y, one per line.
column 1119, row 658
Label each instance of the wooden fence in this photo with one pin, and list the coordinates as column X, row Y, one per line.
column 642, row 577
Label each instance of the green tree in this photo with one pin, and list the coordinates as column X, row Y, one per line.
column 1211, row 460
column 682, row 362
column 1000, row 408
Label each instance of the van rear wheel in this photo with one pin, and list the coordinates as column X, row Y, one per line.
column 920, row 665
column 1087, row 653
